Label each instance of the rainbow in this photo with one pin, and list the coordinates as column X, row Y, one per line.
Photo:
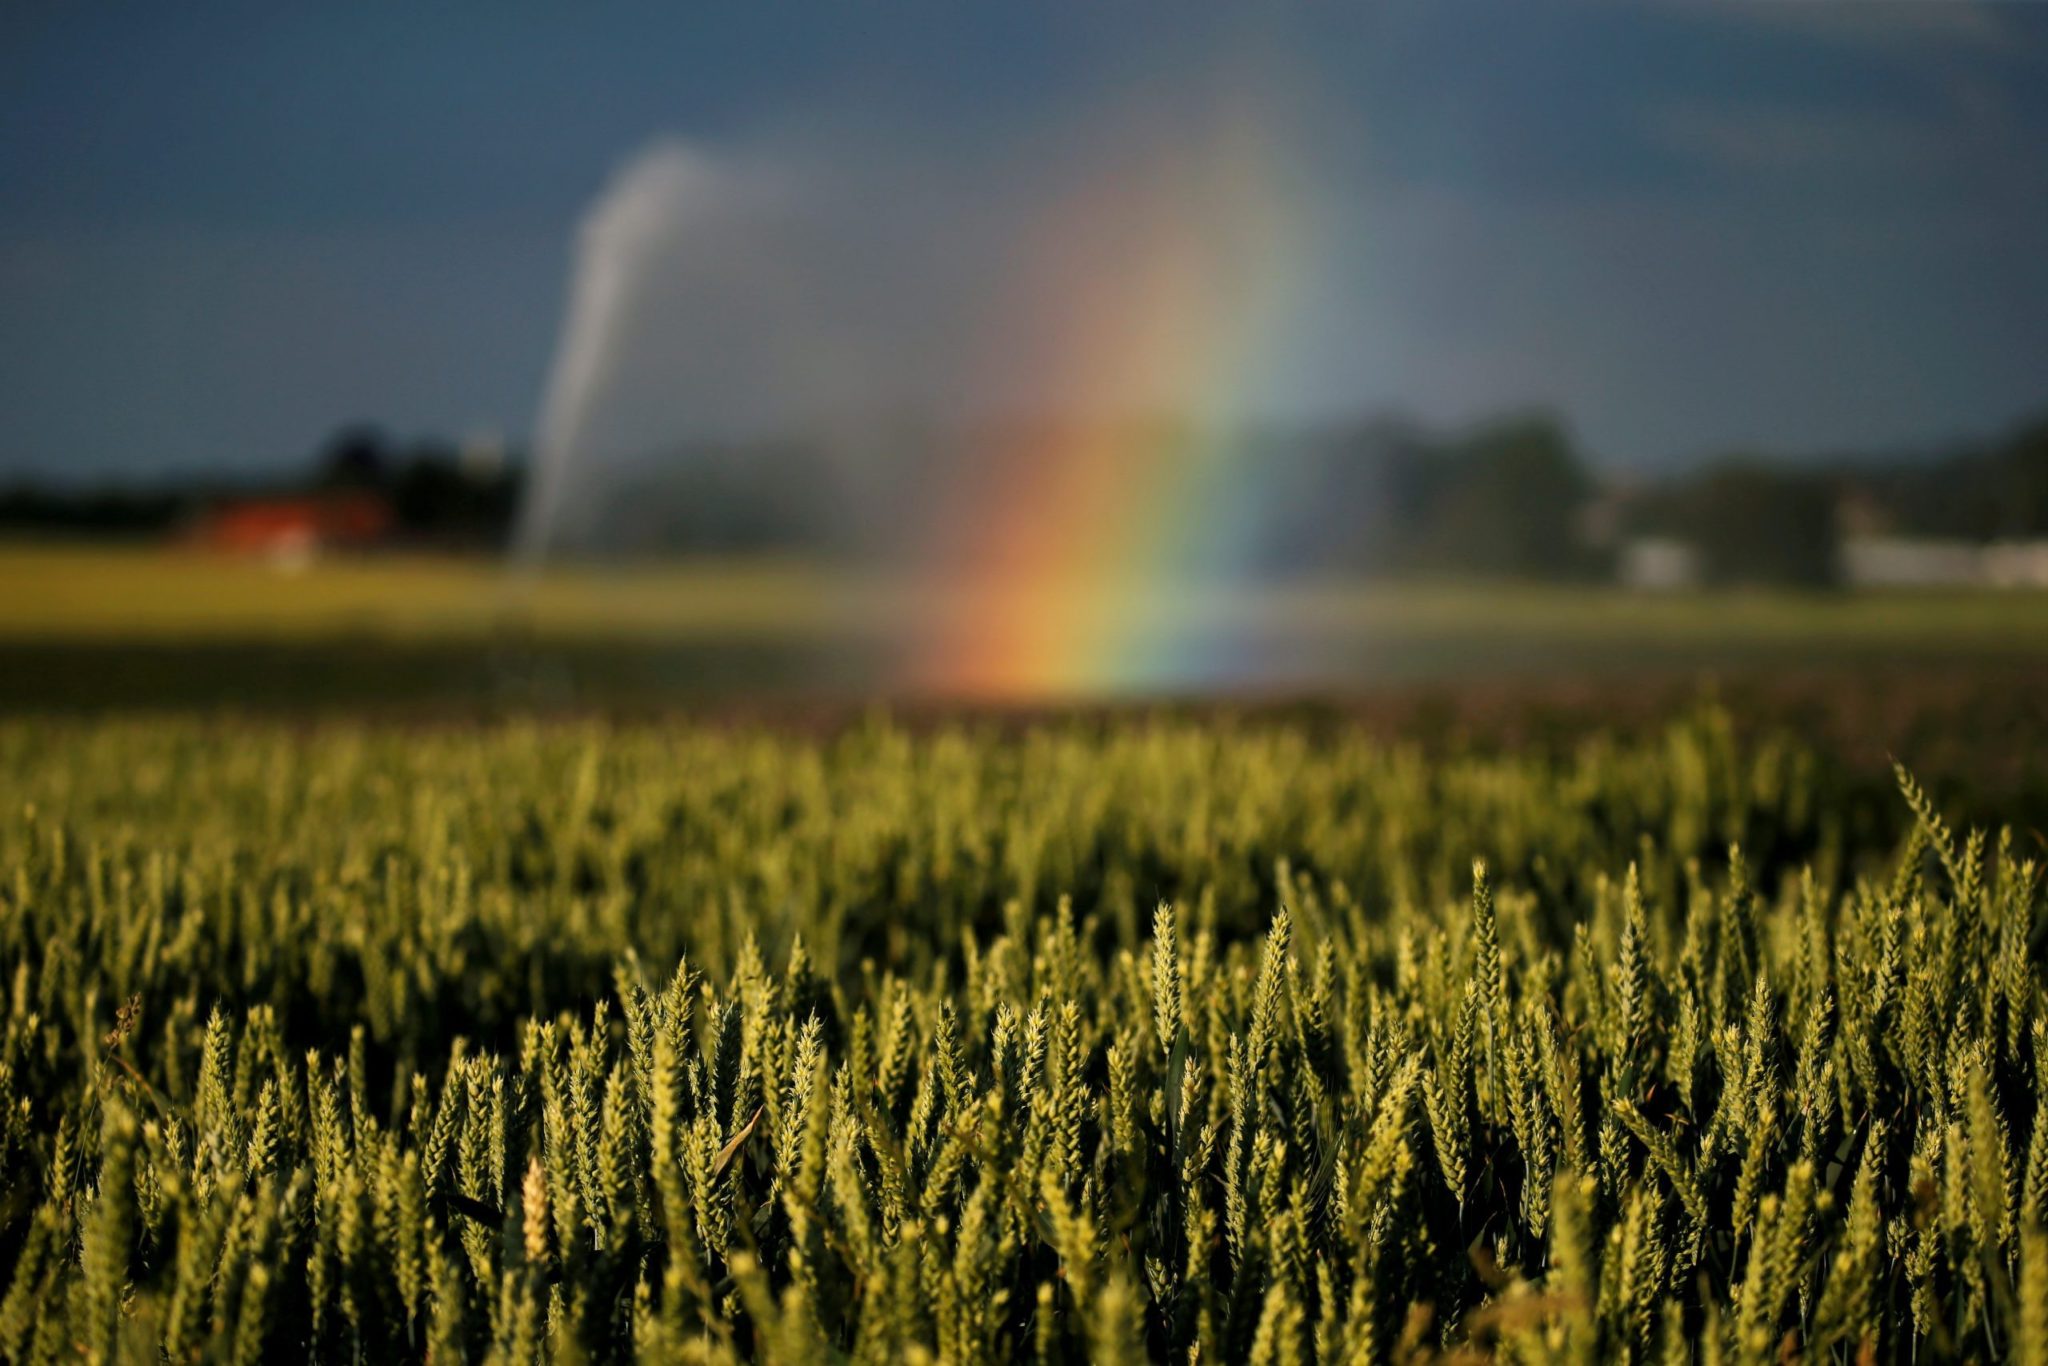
column 1078, row 556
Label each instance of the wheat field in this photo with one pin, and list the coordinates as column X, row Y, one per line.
column 1167, row 1040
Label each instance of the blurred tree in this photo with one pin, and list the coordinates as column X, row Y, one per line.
column 1513, row 506
column 359, row 456
column 26, row 507
column 1755, row 523
column 2023, row 501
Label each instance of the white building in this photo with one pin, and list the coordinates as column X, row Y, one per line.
column 2016, row 564
column 1910, row 562
column 1659, row 564
column 1924, row 562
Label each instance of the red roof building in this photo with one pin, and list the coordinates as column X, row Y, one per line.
column 292, row 527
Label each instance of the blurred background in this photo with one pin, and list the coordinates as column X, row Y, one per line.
column 1414, row 359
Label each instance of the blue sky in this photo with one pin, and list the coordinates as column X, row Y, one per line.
column 1795, row 224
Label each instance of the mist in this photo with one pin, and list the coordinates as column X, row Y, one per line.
column 886, row 312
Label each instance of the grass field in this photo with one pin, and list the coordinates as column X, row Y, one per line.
column 88, row 627
column 70, row 592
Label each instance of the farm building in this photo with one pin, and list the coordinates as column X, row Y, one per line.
column 1927, row 562
column 293, row 529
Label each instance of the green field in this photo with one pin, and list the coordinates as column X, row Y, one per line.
column 97, row 628
column 79, row 592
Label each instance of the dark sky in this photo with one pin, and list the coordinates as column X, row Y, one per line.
column 1794, row 224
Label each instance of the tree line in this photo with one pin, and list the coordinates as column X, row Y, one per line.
column 1515, row 496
